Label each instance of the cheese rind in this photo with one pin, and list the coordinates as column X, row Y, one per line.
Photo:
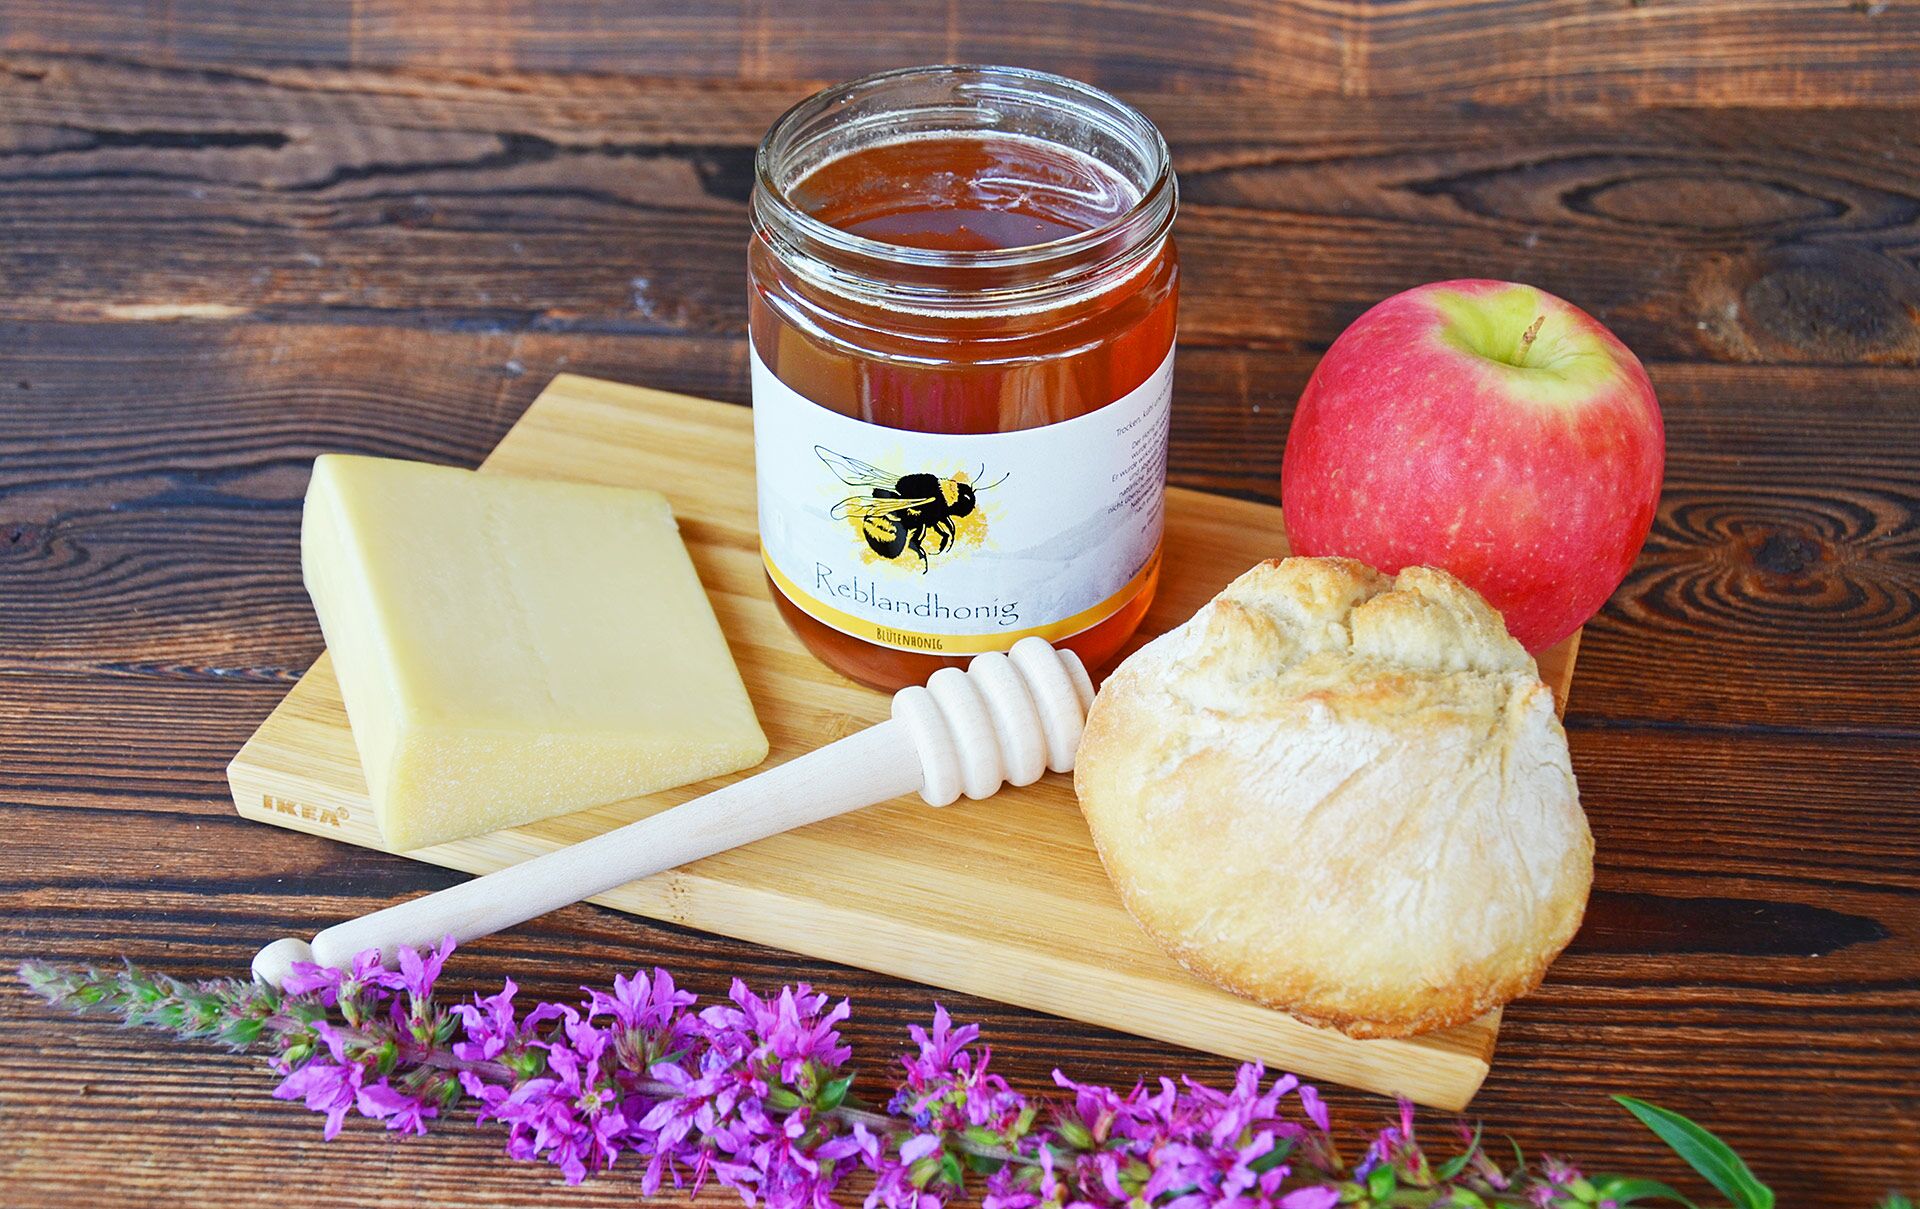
column 511, row 649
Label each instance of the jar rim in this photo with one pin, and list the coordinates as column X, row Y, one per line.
column 1146, row 219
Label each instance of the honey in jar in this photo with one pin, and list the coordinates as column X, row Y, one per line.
column 962, row 297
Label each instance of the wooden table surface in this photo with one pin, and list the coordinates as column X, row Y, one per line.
column 233, row 236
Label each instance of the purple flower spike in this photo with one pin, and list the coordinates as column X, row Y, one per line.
column 754, row 1094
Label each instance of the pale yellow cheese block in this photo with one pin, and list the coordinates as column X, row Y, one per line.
column 511, row 649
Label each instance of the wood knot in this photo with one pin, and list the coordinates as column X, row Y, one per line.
column 1648, row 195
column 1781, row 553
column 1652, row 924
column 19, row 540
column 1830, row 304
column 725, row 173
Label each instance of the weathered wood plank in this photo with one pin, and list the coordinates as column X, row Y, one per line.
column 383, row 226
column 1796, row 52
column 593, row 203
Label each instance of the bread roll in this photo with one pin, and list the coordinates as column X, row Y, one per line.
column 1343, row 794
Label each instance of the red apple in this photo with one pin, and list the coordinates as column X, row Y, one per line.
column 1488, row 428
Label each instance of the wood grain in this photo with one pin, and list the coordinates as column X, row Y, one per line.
column 605, row 204
column 1790, row 52
column 235, row 235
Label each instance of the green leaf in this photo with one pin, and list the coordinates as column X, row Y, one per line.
column 244, row 1034
column 950, row 1169
column 1896, row 1201
column 1027, row 1115
column 835, row 1093
column 1074, row 1133
column 1623, row 1191
column 1273, row 1158
column 783, row 1099
column 923, row 1171
column 1458, row 1163
column 1713, row 1159
column 1381, row 1182
column 984, row 1164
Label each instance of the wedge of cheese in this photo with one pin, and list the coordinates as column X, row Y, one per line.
column 511, row 649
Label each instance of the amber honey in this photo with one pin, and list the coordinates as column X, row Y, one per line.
column 961, row 252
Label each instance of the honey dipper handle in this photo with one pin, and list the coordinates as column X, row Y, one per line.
column 869, row 766
column 1006, row 718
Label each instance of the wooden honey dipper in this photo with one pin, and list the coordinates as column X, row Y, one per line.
column 1007, row 718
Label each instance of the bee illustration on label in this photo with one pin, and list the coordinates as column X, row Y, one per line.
column 902, row 514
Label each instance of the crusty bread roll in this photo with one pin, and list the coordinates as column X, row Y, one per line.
column 1342, row 794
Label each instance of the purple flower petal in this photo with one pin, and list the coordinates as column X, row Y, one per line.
column 919, row 1146
column 306, row 978
column 1315, row 1108
column 402, row 1112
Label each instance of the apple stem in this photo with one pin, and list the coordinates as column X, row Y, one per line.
column 1526, row 339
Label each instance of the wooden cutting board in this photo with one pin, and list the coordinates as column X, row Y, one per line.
column 1004, row 899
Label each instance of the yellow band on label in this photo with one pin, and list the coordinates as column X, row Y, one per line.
column 956, row 644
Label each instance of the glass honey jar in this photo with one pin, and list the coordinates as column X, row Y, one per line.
column 962, row 288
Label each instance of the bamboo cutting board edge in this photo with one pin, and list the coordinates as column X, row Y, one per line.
column 300, row 771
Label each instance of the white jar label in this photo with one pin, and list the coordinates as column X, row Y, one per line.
column 959, row 543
